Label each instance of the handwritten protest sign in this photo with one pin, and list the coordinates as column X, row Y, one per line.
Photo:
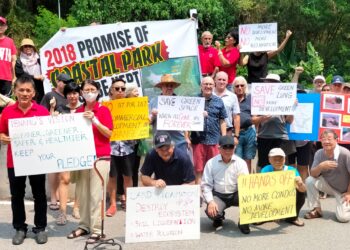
column 161, row 214
column 268, row 196
column 130, row 118
column 258, row 37
column 180, row 113
column 137, row 52
column 273, row 98
column 49, row 144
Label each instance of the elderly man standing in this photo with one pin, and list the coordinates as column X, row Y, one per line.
column 169, row 165
column 330, row 173
column 207, row 54
column 220, row 184
column 231, row 104
column 246, row 148
column 167, row 84
column 205, row 143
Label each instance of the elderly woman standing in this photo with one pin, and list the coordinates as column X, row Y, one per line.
column 28, row 63
column 87, row 182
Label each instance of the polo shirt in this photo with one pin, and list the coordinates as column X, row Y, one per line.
column 269, row 168
column 12, row 112
column 177, row 171
column 60, row 100
column 232, row 55
column 207, row 57
column 7, row 50
column 103, row 114
column 246, row 114
column 231, row 105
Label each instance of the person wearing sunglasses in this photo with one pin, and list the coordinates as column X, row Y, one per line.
column 220, row 182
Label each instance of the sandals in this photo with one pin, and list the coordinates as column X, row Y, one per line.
column 77, row 233
column 54, row 206
column 94, row 238
column 61, row 219
column 297, row 222
column 313, row 214
column 111, row 211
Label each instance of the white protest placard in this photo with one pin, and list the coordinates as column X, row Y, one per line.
column 273, row 98
column 182, row 113
column 49, row 144
column 258, row 37
column 162, row 214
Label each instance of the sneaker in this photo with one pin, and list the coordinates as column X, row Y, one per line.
column 111, row 211
column 19, row 237
column 244, row 228
column 217, row 223
column 41, row 237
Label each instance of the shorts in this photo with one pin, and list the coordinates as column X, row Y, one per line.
column 246, row 148
column 122, row 164
column 302, row 156
column 203, row 153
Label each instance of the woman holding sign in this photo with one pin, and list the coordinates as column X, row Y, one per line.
column 277, row 159
column 88, row 183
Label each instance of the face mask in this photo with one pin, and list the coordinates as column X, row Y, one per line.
column 90, row 97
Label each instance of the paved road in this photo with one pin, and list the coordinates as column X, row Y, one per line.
column 316, row 234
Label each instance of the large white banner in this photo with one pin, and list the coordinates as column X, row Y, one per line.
column 258, row 37
column 49, row 144
column 181, row 113
column 162, row 214
column 138, row 52
column 273, row 98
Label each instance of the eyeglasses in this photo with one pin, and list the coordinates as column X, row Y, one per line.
column 86, row 91
column 120, row 89
column 226, row 147
column 228, row 37
column 27, row 46
column 239, row 86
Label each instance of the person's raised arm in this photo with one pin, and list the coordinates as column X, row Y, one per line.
column 273, row 53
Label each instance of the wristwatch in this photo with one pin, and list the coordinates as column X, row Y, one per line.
column 237, row 136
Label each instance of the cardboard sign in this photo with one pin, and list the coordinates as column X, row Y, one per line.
column 266, row 196
column 162, row 214
column 180, row 113
column 273, row 98
column 130, row 118
column 258, row 37
column 49, row 144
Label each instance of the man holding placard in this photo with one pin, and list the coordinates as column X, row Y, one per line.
column 24, row 107
column 219, row 182
column 277, row 158
column 169, row 164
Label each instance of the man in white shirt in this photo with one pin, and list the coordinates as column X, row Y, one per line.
column 220, row 184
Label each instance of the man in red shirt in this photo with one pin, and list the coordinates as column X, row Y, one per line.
column 7, row 59
column 228, row 57
column 207, row 55
column 24, row 107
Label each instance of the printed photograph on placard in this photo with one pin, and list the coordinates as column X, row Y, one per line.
column 345, row 134
column 330, row 120
column 348, row 109
column 334, row 102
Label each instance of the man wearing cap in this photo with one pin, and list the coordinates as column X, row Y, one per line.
column 277, row 158
column 346, row 88
column 220, row 182
column 231, row 104
column 319, row 81
column 205, row 143
column 7, row 60
column 330, row 173
column 337, row 84
column 207, row 54
column 55, row 98
column 169, row 164
column 167, row 85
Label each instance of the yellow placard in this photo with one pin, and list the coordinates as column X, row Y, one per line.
column 266, row 196
column 346, row 118
column 130, row 118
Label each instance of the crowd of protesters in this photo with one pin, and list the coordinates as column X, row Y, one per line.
column 212, row 158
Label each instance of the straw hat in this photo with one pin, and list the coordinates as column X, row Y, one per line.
column 271, row 78
column 27, row 41
column 166, row 79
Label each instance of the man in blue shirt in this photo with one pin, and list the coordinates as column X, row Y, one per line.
column 277, row 158
column 169, row 164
